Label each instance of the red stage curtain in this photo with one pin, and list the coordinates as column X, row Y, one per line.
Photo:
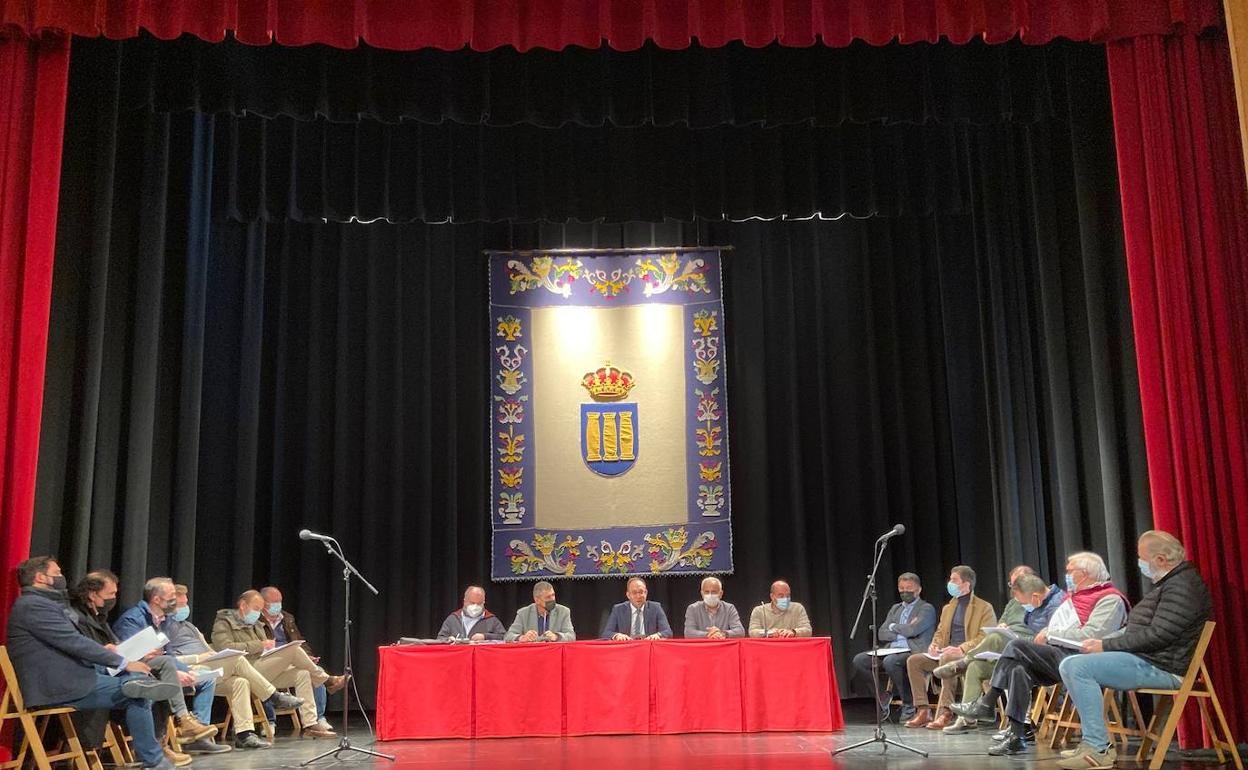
column 622, row 24
column 33, row 80
column 1185, row 212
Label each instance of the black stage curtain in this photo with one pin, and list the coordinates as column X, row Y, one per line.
column 697, row 87
column 214, row 385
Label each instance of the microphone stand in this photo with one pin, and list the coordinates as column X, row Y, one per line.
column 344, row 743
column 868, row 594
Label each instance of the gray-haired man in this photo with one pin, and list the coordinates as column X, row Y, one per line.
column 713, row 618
column 543, row 620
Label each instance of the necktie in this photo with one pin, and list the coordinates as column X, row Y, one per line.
column 638, row 630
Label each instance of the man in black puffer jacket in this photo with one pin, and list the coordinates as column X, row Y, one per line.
column 1154, row 650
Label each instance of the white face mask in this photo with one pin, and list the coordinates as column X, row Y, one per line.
column 474, row 610
column 712, row 600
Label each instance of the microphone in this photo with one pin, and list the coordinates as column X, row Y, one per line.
column 900, row 529
column 306, row 534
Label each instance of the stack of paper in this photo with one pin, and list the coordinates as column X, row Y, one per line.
column 136, row 647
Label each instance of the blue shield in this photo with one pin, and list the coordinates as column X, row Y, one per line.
column 610, row 437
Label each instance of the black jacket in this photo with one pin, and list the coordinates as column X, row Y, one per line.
column 91, row 624
column 55, row 663
column 1166, row 625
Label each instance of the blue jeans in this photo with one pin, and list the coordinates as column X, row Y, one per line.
column 201, row 705
column 1085, row 675
column 320, row 696
column 108, row 695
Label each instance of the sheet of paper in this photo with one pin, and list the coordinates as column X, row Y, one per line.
column 137, row 646
column 986, row 655
column 1007, row 633
column 930, row 656
column 225, row 654
column 886, row 651
column 280, row 647
column 1061, row 642
column 208, row 675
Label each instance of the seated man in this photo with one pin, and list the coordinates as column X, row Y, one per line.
column 1154, row 650
column 1093, row 609
column 1027, row 612
column 59, row 666
column 908, row 628
column 472, row 620
column 783, row 617
column 241, row 628
column 239, row 680
column 712, row 618
column 636, row 618
column 281, row 627
column 158, row 601
column 961, row 628
column 544, row 619
column 90, row 602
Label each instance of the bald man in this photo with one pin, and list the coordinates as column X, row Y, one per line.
column 472, row 621
column 783, row 618
column 712, row 617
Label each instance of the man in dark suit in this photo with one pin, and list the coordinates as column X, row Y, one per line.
column 637, row 618
column 907, row 629
column 58, row 666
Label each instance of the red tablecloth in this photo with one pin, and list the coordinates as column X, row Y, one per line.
column 604, row 688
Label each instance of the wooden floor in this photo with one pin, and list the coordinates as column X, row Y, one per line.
column 704, row 751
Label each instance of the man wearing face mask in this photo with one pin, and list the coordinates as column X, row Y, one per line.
column 58, row 665
column 713, row 618
column 961, row 628
column 282, row 628
column 544, row 620
column 1092, row 609
column 783, row 618
column 472, row 620
column 243, row 628
column 239, row 680
column 1153, row 651
column 908, row 629
column 159, row 602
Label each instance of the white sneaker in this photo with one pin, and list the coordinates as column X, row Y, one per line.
column 324, row 724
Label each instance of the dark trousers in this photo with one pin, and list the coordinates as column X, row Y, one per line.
column 107, row 695
column 891, row 666
column 1022, row 666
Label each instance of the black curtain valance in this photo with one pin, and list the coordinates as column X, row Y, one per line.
column 696, row 87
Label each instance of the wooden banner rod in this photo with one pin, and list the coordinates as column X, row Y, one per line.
column 630, row 250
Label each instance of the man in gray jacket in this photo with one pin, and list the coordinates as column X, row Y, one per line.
column 543, row 620
column 472, row 621
column 908, row 627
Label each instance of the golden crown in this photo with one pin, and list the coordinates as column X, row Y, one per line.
column 608, row 383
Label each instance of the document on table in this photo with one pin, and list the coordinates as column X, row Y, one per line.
column 987, row 655
column 139, row 645
column 225, row 654
column 280, row 647
column 1061, row 642
column 886, row 651
column 1003, row 631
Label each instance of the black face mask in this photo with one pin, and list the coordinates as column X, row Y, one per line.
column 907, row 596
column 109, row 604
column 58, row 584
column 550, row 605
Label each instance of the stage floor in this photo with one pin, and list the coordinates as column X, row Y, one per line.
column 704, row 751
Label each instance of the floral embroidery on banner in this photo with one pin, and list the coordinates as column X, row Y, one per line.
column 667, row 275
column 542, row 554
column 609, row 558
column 544, row 272
column 668, row 550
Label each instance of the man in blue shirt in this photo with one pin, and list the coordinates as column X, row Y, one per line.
column 907, row 629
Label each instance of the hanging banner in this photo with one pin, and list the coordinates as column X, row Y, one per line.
column 609, row 427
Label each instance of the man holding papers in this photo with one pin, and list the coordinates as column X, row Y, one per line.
column 1092, row 610
column 907, row 629
column 239, row 679
column 241, row 628
column 58, row 666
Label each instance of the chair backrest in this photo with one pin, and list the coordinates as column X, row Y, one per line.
column 1198, row 656
column 11, row 702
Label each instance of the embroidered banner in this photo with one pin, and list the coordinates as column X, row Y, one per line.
column 609, row 429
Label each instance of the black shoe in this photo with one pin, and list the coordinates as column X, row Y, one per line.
column 979, row 708
column 284, row 700
column 250, row 740
column 1029, row 734
column 1010, row 746
column 206, row 746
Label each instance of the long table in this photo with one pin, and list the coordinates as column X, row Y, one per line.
column 604, row 688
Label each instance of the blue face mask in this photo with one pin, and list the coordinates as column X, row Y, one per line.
column 954, row 589
column 1146, row 569
column 182, row 613
column 1070, row 583
column 782, row 603
column 251, row 617
column 275, row 608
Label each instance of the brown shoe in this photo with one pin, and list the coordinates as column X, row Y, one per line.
column 942, row 720
column 178, row 759
column 921, row 718
column 315, row 731
column 191, row 729
column 335, row 683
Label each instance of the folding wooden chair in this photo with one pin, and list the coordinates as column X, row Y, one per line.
column 33, row 723
column 1196, row 684
column 1114, row 724
column 257, row 714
